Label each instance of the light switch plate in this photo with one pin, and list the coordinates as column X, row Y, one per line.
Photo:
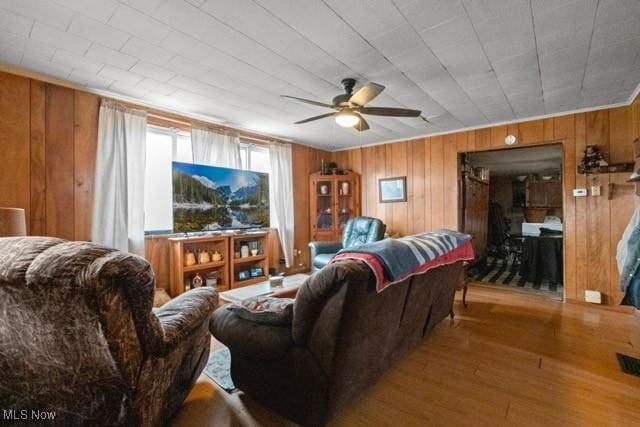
column 579, row 192
column 595, row 190
column 594, row 297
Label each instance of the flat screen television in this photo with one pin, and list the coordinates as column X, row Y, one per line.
column 207, row 198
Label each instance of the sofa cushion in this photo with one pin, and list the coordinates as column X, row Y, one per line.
column 321, row 260
column 265, row 309
column 250, row 339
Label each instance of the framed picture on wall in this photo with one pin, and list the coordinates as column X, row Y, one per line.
column 392, row 190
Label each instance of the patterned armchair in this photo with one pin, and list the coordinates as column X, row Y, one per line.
column 357, row 231
column 79, row 336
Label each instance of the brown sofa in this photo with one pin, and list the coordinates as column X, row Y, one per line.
column 78, row 335
column 343, row 337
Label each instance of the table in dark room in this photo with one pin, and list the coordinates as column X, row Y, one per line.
column 541, row 259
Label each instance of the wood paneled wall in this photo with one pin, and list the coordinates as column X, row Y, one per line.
column 48, row 138
column 306, row 160
column 593, row 225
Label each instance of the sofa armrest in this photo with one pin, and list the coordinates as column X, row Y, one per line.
column 250, row 339
column 180, row 316
column 321, row 247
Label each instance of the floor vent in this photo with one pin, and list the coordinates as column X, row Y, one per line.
column 628, row 364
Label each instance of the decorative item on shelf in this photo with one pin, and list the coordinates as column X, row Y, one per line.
column 187, row 283
column 324, row 189
column 197, row 281
column 244, row 250
column 253, row 246
column 324, row 220
column 331, row 168
column 592, row 160
column 211, row 279
column 189, row 258
column 244, row 275
column 203, row 257
column 216, row 256
column 256, row 272
column 345, row 188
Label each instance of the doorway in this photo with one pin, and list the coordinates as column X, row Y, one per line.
column 512, row 205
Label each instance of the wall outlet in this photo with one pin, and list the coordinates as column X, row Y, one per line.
column 594, row 297
column 595, row 190
column 579, row 192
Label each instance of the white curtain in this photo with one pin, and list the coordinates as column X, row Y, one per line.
column 118, row 206
column 215, row 148
column 281, row 197
column 174, row 143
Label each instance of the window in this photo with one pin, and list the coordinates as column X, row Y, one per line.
column 158, row 201
column 254, row 157
column 158, row 211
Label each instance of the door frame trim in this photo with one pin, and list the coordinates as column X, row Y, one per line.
column 558, row 142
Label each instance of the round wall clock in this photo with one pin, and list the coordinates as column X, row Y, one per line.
column 510, row 139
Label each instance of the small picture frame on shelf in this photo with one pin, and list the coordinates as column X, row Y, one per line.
column 256, row 272
column 244, row 275
column 391, row 190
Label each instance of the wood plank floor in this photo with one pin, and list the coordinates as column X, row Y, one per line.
column 508, row 359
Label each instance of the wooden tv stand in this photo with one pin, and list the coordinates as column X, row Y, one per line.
column 228, row 268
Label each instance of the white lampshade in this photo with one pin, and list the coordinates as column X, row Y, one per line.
column 347, row 119
column 12, row 222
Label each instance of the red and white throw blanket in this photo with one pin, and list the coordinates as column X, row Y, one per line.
column 394, row 260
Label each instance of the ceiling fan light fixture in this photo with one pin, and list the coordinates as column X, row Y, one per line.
column 347, row 119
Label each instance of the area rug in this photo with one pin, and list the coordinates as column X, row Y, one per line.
column 219, row 369
column 498, row 272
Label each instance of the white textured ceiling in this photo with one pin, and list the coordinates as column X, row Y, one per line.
column 464, row 63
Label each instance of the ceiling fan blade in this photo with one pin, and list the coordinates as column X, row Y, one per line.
column 308, row 101
column 366, row 93
column 362, row 125
column 310, row 119
column 386, row 111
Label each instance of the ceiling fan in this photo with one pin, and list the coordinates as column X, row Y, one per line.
column 350, row 106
